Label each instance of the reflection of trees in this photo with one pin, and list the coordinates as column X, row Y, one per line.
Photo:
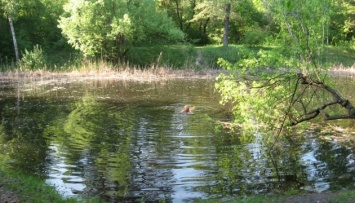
column 249, row 168
column 331, row 165
column 94, row 131
column 21, row 132
column 153, row 153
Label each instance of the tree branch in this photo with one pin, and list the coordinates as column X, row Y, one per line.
column 338, row 99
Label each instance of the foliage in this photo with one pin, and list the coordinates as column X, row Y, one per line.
column 33, row 189
column 177, row 57
column 32, row 60
column 108, row 29
column 130, row 23
column 10, row 6
column 342, row 22
column 35, row 22
column 255, row 36
column 272, row 90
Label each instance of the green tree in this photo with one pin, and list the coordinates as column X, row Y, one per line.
column 110, row 27
column 273, row 90
column 215, row 13
column 183, row 13
column 10, row 8
column 342, row 27
column 35, row 23
column 230, row 21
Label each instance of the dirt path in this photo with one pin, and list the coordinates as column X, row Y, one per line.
column 7, row 196
column 311, row 198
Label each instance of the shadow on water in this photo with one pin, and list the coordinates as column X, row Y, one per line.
column 128, row 141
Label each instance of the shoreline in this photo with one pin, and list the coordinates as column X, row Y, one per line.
column 136, row 74
column 151, row 74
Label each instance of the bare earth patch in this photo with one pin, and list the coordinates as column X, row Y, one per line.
column 311, row 198
column 7, row 196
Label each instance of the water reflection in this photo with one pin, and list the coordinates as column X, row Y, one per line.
column 128, row 141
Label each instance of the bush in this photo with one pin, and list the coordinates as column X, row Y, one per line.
column 255, row 36
column 32, row 60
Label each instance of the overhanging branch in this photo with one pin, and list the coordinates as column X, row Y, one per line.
column 337, row 100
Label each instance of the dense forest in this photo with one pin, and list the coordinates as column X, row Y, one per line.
column 110, row 28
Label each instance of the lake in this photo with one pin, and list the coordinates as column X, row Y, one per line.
column 127, row 141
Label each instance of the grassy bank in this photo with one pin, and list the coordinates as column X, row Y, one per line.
column 346, row 196
column 188, row 56
column 177, row 57
column 16, row 187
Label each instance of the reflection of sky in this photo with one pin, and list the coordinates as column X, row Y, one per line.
column 185, row 172
column 314, row 168
column 175, row 167
column 181, row 190
column 62, row 176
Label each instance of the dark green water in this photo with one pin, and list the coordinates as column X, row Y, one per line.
column 127, row 141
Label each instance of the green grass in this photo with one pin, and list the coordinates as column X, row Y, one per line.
column 346, row 196
column 177, row 56
column 183, row 56
column 174, row 56
column 339, row 56
column 33, row 189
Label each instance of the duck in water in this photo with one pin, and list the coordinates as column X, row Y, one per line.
column 187, row 109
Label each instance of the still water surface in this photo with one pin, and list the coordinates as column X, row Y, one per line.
column 127, row 141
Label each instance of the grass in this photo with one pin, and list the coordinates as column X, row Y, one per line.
column 346, row 196
column 339, row 56
column 30, row 189
column 24, row 188
column 185, row 56
column 177, row 57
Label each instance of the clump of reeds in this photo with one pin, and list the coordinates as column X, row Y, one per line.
column 342, row 70
column 102, row 69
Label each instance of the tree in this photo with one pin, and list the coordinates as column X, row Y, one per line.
column 342, row 26
column 35, row 23
column 274, row 90
column 226, row 25
column 10, row 8
column 216, row 13
column 232, row 20
column 110, row 27
column 181, row 11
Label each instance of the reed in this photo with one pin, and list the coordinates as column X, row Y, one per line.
column 150, row 63
column 101, row 69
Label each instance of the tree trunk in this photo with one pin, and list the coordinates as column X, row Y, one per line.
column 205, row 26
column 14, row 37
column 226, row 25
column 179, row 15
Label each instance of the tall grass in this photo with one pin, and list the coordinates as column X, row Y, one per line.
column 175, row 57
column 32, row 189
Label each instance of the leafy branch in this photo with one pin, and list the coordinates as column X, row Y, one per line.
column 338, row 100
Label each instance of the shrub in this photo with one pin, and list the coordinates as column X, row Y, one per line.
column 32, row 60
column 255, row 36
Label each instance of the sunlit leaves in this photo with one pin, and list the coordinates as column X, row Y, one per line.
column 109, row 27
column 264, row 87
column 304, row 26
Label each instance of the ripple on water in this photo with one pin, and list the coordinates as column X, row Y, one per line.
column 124, row 141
